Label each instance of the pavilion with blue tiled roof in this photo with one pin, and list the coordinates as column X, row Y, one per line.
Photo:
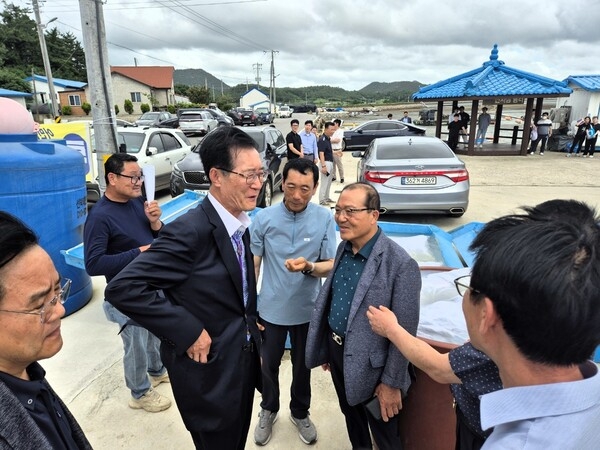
column 494, row 83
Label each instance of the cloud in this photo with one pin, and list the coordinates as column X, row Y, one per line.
column 346, row 43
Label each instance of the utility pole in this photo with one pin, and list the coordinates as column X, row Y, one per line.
column 99, row 79
column 45, row 58
column 258, row 68
column 272, row 96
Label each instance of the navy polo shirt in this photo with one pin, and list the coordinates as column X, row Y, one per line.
column 43, row 406
column 345, row 280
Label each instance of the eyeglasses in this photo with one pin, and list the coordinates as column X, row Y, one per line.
column 350, row 212
column 62, row 296
column 250, row 177
column 134, row 179
column 463, row 284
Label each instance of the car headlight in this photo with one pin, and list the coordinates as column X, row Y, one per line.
column 177, row 171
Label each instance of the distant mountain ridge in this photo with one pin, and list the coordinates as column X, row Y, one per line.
column 381, row 88
column 198, row 77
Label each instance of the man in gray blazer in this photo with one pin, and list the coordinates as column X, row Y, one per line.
column 369, row 269
column 31, row 306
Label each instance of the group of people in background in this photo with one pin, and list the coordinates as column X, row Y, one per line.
column 324, row 150
column 586, row 136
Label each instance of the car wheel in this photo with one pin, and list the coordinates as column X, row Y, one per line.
column 267, row 197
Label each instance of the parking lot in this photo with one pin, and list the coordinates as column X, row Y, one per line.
column 87, row 373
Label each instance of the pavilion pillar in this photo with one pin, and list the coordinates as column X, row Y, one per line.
column 473, row 128
column 498, row 123
column 440, row 119
column 527, row 124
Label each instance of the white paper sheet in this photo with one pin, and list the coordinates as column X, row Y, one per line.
column 149, row 180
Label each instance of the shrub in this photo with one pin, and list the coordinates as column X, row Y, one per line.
column 172, row 109
column 145, row 107
column 66, row 110
column 86, row 108
column 117, row 110
column 128, row 105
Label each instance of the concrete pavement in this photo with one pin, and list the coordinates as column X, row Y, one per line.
column 88, row 374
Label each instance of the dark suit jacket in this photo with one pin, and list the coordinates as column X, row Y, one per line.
column 194, row 263
column 390, row 278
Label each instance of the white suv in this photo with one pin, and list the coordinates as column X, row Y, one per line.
column 285, row 111
column 161, row 147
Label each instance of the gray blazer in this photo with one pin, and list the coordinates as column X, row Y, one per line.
column 390, row 278
column 18, row 431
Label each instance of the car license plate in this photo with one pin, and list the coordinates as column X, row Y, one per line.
column 418, row 180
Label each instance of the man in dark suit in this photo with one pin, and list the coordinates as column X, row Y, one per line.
column 369, row 269
column 207, row 318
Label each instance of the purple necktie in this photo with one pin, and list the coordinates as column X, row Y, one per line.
column 238, row 246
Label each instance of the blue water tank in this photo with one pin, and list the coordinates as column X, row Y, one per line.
column 43, row 184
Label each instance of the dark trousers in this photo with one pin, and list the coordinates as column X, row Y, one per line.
column 577, row 143
column 590, row 146
column 534, row 144
column 272, row 350
column 466, row 438
column 234, row 436
column 358, row 419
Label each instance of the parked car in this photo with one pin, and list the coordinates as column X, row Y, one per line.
column 153, row 118
column 249, row 117
column 360, row 137
column 415, row 174
column 223, row 119
column 189, row 173
column 264, row 115
column 235, row 116
column 197, row 122
column 285, row 111
column 161, row 147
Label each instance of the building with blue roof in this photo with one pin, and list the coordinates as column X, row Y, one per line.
column 15, row 95
column 495, row 84
column 69, row 92
column 585, row 99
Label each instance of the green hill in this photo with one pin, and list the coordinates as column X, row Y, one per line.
column 198, row 77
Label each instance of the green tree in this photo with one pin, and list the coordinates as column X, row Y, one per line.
column 116, row 110
column 67, row 58
column 18, row 34
column 66, row 110
column 128, row 106
column 172, row 109
column 199, row 95
column 86, row 108
column 144, row 107
column 13, row 79
column 181, row 89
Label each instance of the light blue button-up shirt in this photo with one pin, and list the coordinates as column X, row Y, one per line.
column 547, row 416
column 309, row 144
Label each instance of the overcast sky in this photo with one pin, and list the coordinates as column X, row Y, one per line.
column 345, row 43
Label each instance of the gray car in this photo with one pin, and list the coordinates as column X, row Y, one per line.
column 415, row 174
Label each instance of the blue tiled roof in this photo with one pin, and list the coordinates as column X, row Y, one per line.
column 587, row 82
column 493, row 79
column 9, row 93
column 59, row 82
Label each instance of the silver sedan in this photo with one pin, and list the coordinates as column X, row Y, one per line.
column 415, row 174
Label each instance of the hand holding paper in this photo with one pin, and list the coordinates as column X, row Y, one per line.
column 149, row 181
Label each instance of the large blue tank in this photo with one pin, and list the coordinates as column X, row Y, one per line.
column 43, row 184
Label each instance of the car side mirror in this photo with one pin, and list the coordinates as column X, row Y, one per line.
column 359, row 131
column 123, row 148
column 269, row 150
column 151, row 151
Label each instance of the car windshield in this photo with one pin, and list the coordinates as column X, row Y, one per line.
column 262, row 110
column 394, row 151
column 258, row 137
column 150, row 116
column 133, row 141
column 197, row 116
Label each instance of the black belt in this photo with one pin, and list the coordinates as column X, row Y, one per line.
column 339, row 340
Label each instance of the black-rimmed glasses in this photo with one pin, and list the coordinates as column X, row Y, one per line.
column 134, row 179
column 250, row 177
column 350, row 212
column 463, row 284
column 62, row 296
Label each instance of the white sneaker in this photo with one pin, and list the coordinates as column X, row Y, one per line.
column 151, row 401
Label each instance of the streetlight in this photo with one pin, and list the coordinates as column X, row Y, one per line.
column 45, row 58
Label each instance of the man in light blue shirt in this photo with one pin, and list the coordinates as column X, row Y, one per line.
column 532, row 304
column 309, row 142
column 295, row 242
